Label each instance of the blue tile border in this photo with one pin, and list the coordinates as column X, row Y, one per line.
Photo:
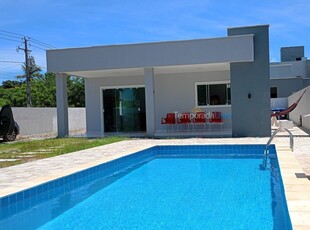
column 214, row 149
column 23, row 200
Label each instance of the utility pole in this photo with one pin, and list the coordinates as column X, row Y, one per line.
column 27, row 66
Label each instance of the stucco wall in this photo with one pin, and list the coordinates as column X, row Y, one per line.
column 93, row 86
column 285, row 87
column 306, row 82
column 173, row 92
column 289, row 69
column 306, row 122
column 250, row 83
column 280, row 70
column 302, row 109
column 176, row 92
column 44, row 120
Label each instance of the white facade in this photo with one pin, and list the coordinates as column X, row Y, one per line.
column 169, row 73
column 301, row 114
column 292, row 73
column 44, row 120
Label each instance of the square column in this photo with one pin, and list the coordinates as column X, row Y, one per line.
column 62, row 105
column 250, row 87
column 94, row 108
column 149, row 101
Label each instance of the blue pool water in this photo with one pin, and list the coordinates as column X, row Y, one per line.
column 162, row 188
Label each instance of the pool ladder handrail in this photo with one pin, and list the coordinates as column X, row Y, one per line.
column 266, row 151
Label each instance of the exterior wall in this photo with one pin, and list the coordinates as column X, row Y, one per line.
column 308, row 68
column 280, row 70
column 176, row 92
column 77, row 119
column 288, row 86
column 290, row 69
column 173, row 92
column 306, row 82
column 285, row 87
column 303, row 107
column 93, row 98
column 290, row 76
column 299, row 69
column 292, row 53
column 44, row 120
column 306, row 122
column 250, row 87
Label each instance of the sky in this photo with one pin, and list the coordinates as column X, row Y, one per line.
column 77, row 23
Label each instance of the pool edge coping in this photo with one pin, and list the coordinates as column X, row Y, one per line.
column 297, row 190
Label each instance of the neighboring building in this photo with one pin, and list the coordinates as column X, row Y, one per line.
column 291, row 74
column 132, row 87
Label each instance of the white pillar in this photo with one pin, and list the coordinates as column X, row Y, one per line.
column 62, row 105
column 149, row 101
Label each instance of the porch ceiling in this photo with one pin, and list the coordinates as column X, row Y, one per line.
column 158, row 70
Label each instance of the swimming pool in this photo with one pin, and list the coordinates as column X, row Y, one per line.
column 196, row 187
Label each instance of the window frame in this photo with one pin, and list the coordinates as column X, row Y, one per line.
column 210, row 83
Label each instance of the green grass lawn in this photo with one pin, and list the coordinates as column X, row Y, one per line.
column 24, row 151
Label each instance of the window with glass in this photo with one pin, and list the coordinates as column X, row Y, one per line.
column 213, row 94
column 273, row 92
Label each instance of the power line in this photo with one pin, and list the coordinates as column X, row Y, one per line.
column 29, row 60
column 11, row 36
column 8, row 77
column 9, row 39
column 37, row 47
column 42, row 43
column 14, row 74
column 20, row 36
column 7, row 67
column 8, row 32
column 9, row 74
column 12, row 61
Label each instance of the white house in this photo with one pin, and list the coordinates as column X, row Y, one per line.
column 132, row 87
column 291, row 74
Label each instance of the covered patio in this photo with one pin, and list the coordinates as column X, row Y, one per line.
column 131, row 88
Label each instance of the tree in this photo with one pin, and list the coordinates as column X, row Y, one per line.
column 34, row 72
column 43, row 92
column 76, row 92
column 14, row 96
column 30, row 71
column 10, row 84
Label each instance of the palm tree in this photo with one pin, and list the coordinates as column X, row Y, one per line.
column 33, row 71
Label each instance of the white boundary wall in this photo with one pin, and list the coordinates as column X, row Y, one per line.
column 44, row 120
column 302, row 111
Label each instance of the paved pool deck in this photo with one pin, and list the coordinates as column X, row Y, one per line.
column 295, row 167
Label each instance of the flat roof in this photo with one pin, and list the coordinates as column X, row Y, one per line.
column 157, row 54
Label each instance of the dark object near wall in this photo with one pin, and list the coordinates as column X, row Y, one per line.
column 9, row 129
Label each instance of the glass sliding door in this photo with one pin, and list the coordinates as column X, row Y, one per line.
column 124, row 110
